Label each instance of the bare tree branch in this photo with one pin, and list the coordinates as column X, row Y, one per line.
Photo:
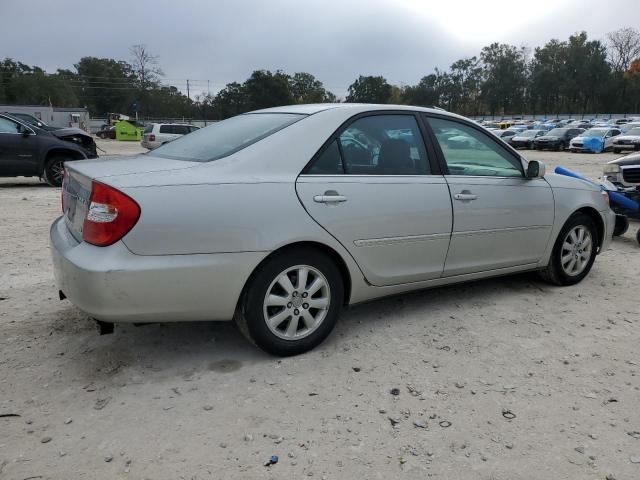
column 624, row 46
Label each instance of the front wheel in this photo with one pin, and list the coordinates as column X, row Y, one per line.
column 292, row 302
column 616, row 150
column 54, row 171
column 574, row 251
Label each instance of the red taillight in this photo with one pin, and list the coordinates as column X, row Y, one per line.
column 152, row 138
column 110, row 216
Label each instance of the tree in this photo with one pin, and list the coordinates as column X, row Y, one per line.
column 103, row 85
column 624, row 46
column 504, row 77
column 427, row 93
column 231, row 100
column 145, row 70
column 369, row 90
column 265, row 89
column 305, row 88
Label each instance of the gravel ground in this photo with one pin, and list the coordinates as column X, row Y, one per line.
column 501, row 379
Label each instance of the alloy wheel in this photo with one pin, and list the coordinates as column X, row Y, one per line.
column 576, row 250
column 297, row 302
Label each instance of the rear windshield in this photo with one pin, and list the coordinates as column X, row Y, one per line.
column 226, row 137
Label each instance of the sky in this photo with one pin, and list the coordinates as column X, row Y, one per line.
column 216, row 42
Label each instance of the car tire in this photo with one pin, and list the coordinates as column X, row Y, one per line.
column 53, row 170
column 561, row 270
column 280, row 336
column 562, row 146
column 616, row 150
column 638, row 236
column 102, row 136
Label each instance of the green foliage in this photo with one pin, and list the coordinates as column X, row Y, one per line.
column 369, row 90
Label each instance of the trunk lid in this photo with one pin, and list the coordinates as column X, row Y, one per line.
column 76, row 188
column 116, row 166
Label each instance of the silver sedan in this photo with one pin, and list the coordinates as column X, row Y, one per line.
column 279, row 218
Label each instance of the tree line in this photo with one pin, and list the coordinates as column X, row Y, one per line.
column 577, row 75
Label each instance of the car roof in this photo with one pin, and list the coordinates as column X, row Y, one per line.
column 310, row 109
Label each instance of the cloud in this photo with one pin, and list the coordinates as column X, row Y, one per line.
column 225, row 41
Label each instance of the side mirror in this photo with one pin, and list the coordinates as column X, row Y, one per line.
column 24, row 131
column 535, row 169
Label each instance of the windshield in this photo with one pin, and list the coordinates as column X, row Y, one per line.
column 595, row 132
column 557, row 132
column 226, row 137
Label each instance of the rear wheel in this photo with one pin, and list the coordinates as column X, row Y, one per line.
column 54, row 170
column 616, row 150
column 292, row 302
column 574, row 251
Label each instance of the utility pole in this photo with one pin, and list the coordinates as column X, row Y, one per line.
column 208, row 89
column 188, row 96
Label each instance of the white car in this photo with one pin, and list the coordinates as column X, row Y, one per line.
column 605, row 134
column 157, row 134
column 629, row 140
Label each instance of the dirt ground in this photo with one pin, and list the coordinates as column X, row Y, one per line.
column 503, row 379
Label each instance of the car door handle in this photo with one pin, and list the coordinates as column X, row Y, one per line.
column 465, row 196
column 329, row 198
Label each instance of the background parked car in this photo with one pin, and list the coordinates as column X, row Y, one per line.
column 505, row 134
column 525, row 138
column 156, row 134
column 605, row 134
column 624, row 172
column 556, row 139
column 29, row 151
column 630, row 140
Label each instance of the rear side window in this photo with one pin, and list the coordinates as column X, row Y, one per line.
column 166, row 128
column 226, row 137
column 148, row 129
column 181, row 129
column 375, row 145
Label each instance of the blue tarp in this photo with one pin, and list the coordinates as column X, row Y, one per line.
column 593, row 144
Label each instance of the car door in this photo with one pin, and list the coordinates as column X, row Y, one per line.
column 18, row 151
column 610, row 137
column 501, row 218
column 377, row 189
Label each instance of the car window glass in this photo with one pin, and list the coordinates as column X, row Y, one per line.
column 468, row 151
column 148, row 129
column 166, row 129
column 7, row 126
column 221, row 139
column 329, row 162
column 384, row 145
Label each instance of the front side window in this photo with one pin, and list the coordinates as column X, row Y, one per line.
column 166, row 128
column 7, row 126
column 468, row 151
column 224, row 138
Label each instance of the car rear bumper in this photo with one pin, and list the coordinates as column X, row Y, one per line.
column 114, row 285
column 150, row 145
